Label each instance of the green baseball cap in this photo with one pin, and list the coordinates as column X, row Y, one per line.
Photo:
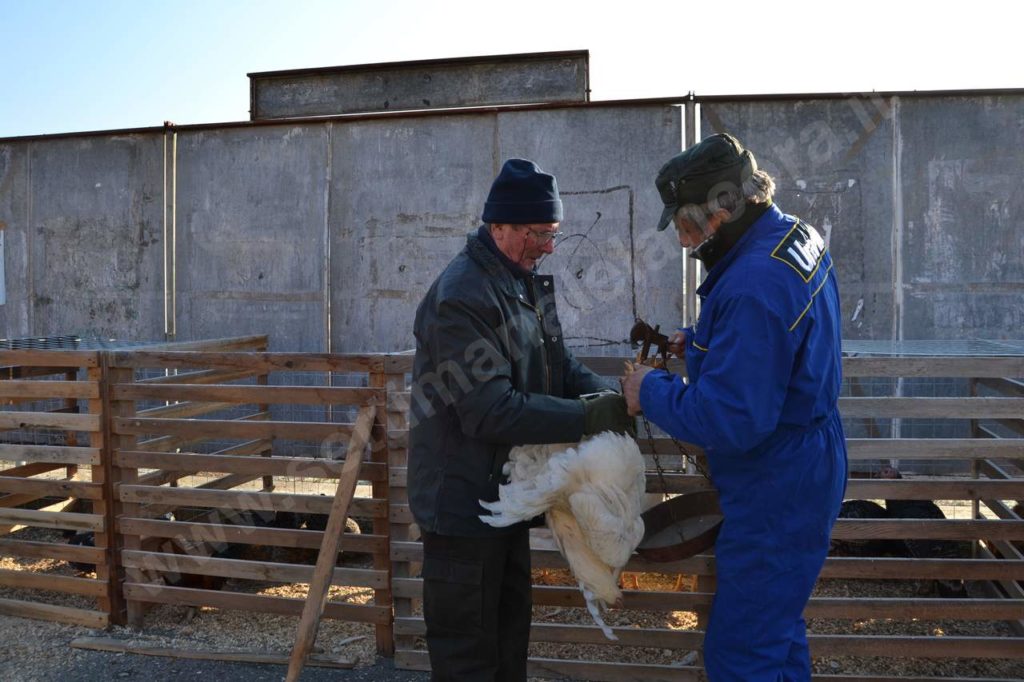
column 689, row 177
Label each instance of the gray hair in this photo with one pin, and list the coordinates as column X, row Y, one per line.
column 759, row 188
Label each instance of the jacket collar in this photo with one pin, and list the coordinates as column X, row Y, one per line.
column 772, row 215
column 492, row 266
column 485, row 236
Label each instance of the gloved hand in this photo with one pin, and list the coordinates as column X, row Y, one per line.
column 606, row 411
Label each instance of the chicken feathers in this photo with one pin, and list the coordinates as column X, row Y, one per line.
column 592, row 495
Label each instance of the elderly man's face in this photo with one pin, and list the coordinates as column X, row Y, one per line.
column 524, row 245
column 690, row 233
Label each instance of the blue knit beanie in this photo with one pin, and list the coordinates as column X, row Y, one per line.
column 523, row 194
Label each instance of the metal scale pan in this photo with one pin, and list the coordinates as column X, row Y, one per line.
column 681, row 527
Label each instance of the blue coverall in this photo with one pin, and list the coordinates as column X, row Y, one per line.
column 764, row 375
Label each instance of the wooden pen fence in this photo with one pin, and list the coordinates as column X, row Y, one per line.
column 57, row 484
column 211, row 466
column 253, row 478
column 656, row 626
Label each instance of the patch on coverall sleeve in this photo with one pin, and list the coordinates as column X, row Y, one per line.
column 801, row 249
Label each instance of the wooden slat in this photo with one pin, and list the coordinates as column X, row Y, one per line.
column 249, row 570
column 8, row 501
column 60, row 614
column 851, row 529
column 32, row 469
column 585, row 634
column 55, row 488
column 204, row 376
column 49, row 453
column 183, row 410
column 934, row 489
column 50, row 550
column 230, row 428
column 259, row 362
column 939, row 647
column 53, row 358
column 894, row 568
column 932, row 448
column 53, row 583
column 309, row 623
column 48, row 519
column 917, row 647
column 25, row 372
column 160, row 594
column 948, row 529
column 274, row 466
column 835, row 567
column 232, row 499
column 162, row 477
column 576, row 670
column 52, row 420
column 933, row 408
column 819, row 607
column 234, row 655
column 169, row 443
column 250, row 342
column 246, row 535
column 295, row 395
column 13, row 388
column 970, row 367
column 398, row 363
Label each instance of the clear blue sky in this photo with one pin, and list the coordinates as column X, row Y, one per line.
column 74, row 65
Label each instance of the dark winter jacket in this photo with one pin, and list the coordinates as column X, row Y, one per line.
column 491, row 371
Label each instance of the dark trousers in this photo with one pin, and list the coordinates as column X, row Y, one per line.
column 477, row 606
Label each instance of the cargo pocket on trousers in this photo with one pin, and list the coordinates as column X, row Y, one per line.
column 453, row 595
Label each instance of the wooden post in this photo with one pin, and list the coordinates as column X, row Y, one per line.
column 133, row 611
column 382, row 490
column 398, row 421
column 264, row 380
column 316, row 599
column 104, row 473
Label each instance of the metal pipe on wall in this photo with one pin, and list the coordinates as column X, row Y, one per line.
column 170, row 188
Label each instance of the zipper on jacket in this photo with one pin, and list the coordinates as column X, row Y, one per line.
column 543, row 344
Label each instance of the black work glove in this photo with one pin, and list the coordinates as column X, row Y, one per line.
column 606, row 411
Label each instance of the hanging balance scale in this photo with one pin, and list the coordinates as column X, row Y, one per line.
column 686, row 524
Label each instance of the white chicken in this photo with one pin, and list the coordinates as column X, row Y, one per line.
column 592, row 494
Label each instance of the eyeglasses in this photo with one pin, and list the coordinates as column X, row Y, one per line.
column 543, row 237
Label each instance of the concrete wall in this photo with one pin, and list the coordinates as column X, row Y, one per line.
column 251, row 206
column 83, row 236
column 431, row 84
column 920, row 196
column 325, row 234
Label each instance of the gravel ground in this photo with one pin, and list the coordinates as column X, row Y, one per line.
column 37, row 651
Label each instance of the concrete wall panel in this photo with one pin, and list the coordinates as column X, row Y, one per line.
column 431, row 84
column 14, row 221
column 613, row 265
column 92, row 226
column 404, row 195
column 832, row 161
column 251, row 234
column 962, row 164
